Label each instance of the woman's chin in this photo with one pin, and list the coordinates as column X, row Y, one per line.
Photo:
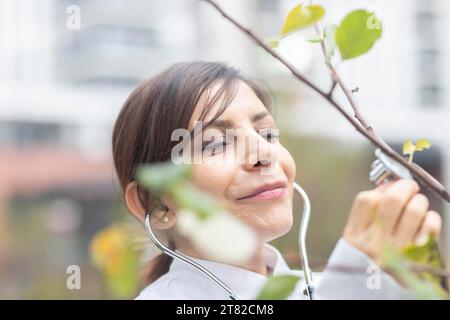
column 268, row 223
column 276, row 229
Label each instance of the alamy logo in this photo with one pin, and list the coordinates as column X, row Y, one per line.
column 73, row 281
column 73, row 21
column 374, row 279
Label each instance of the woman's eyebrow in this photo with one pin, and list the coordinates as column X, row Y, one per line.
column 219, row 123
column 258, row 116
column 225, row 124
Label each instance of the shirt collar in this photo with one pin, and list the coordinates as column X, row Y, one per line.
column 243, row 282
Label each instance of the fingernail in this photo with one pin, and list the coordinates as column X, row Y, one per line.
column 422, row 240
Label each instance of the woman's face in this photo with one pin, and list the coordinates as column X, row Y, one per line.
column 244, row 165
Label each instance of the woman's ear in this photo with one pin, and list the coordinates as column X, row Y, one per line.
column 161, row 219
column 133, row 201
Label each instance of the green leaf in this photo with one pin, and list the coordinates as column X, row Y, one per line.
column 301, row 17
column 426, row 254
column 278, row 287
column 420, row 288
column 172, row 179
column 422, row 144
column 187, row 196
column 329, row 33
column 159, row 177
column 408, row 147
column 357, row 33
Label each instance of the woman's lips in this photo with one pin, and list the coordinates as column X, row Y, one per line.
column 275, row 191
column 269, row 194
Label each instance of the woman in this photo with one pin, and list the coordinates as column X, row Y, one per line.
column 219, row 98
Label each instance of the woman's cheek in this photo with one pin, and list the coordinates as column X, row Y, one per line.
column 212, row 178
column 287, row 163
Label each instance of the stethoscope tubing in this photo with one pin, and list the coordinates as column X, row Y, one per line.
column 301, row 240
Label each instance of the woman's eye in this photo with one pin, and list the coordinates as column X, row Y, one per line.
column 271, row 135
column 215, row 146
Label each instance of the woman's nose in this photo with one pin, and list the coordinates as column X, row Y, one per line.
column 260, row 154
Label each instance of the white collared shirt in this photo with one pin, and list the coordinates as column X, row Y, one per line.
column 348, row 275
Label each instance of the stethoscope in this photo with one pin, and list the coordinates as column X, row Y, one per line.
column 384, row 169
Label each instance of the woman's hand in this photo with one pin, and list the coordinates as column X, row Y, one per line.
column 394, row 214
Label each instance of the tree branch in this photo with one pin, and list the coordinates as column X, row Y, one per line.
column 416, row 170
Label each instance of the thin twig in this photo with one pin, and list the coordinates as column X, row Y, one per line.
column 419, row 267
column 413, row 267
column 416, row 170
column 331, row 90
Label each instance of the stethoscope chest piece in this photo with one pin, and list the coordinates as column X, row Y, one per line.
column 386, row 169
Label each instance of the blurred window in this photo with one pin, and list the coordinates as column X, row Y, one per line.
column 111, row 35
column 28, row 133
column 267, row 5
column 429, row 62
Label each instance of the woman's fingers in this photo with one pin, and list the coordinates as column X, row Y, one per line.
column 411, row 220
column 384, row 186
column 363, row 210
column 431, row 225
column 390, row 215
column 392, row 203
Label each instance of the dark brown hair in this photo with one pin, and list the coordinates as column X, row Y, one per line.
column 158, row 106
